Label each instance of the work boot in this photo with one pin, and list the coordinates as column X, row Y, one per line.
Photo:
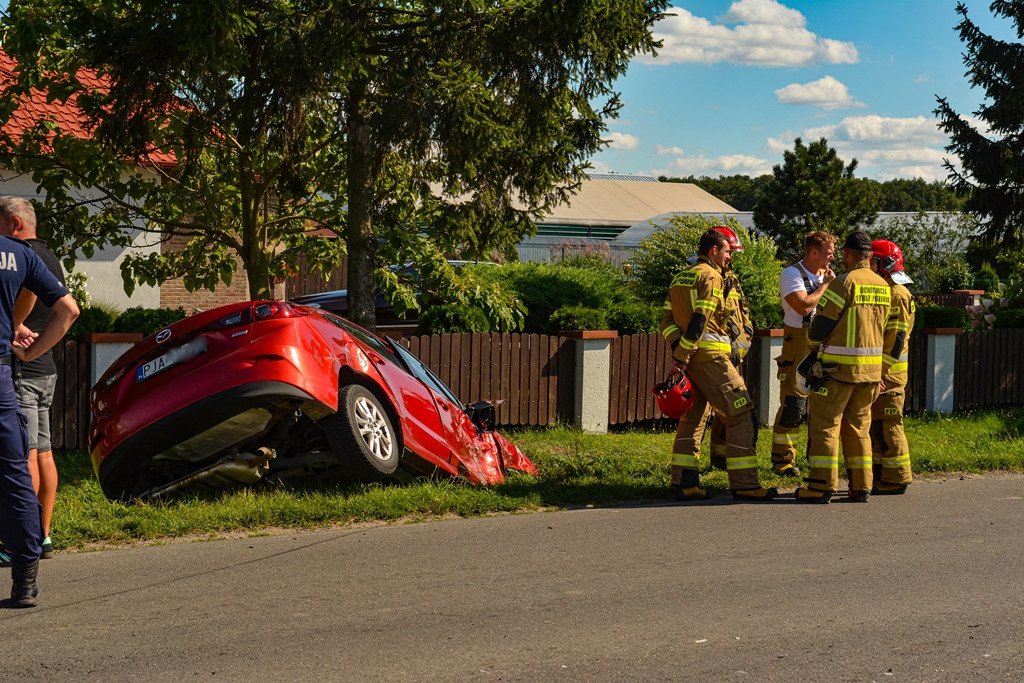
column 23, row 588
column 690, row 492
column 758, row 495
column 718, row 462
column 882, row 488
column 803, row 495
column 857, row 496
column 790, row 471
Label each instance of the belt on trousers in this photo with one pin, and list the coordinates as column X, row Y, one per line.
column 6, row 360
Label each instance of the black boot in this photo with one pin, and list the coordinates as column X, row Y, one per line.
column 23, row 590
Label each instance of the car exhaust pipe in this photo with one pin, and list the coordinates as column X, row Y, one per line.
column 231, row 470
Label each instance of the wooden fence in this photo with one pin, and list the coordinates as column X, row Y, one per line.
column 535, row 376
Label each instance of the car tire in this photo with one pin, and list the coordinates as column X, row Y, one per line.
column 362, row 434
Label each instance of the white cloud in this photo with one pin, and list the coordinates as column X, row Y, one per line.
column 622, row 141
column 765, row 33
column 827, row 93
column 885, row 147
column 675, row 151
column 729, row 164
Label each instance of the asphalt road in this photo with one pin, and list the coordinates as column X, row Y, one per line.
column 924, row 587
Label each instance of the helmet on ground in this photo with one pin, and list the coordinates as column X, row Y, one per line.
column 888, row 255
column 730, row 234
column 674, row 396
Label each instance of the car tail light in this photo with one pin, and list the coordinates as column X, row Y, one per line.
column 277, row 309
column 239, row 317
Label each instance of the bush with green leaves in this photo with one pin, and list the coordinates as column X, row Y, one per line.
column 452, row 319
column 931, row 316
column 92, row 319
column 986, row 278
column 635, row 317
column 147, row 320
column 933, row 246
column 543, row 288
column 953, row 276
column 576, row 317
column 658, row 259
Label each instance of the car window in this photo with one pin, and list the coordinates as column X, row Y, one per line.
column 423, row 373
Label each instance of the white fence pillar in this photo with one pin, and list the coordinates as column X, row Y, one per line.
column 767, row 344
column 106, row 348
column 593, row 370
column 940, row 364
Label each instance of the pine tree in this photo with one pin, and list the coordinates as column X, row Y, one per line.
column 991, row 172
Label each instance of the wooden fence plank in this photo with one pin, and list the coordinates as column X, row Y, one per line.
column 614, row 379
column 506, row 377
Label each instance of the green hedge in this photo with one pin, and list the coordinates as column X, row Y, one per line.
column 93, row 319
column 941, row 316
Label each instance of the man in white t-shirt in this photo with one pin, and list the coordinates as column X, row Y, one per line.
column 800, row 286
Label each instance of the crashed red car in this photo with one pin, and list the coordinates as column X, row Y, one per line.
column 266, row 390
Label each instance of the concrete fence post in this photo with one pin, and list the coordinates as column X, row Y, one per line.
column 106, row 347
column 940, row 368
column 766, row 345
column 593, row 370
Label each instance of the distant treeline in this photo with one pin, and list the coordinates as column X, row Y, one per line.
column 743, row 192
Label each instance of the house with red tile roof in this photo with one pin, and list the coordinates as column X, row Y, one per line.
column 103, row 268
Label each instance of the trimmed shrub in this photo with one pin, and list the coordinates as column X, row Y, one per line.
column 576, row 318
column 147, row 320
column 452, row 319
column 1009, row 319
column 953, row 276
column 92, row 319
column 986, row 278
column 928, row 316
column 634, row 318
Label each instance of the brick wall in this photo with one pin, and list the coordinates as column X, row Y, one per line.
column 173, row 293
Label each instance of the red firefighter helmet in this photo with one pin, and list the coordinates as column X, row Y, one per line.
column 730, row 234
column 888, row 255
column 674, row 396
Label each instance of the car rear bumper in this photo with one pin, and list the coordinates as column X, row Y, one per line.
column 197, row 433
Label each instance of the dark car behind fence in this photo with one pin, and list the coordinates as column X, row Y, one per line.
column 536, row 376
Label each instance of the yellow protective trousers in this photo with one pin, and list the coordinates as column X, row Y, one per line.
column 718, row 383
column 890, row 452
column 792, row 406
column 837, row 413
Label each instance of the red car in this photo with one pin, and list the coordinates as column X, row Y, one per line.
column 281, row 392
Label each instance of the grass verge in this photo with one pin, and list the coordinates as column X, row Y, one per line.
column 576, row 470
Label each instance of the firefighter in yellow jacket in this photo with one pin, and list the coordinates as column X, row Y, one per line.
column 741, row 334
column 842, row 373
column 695, row 324
column 889, row 450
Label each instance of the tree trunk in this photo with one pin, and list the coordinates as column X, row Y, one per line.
column 362, row 244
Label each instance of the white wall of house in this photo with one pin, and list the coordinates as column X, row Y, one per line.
column 103, row 270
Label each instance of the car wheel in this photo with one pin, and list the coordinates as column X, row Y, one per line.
column 362, row 433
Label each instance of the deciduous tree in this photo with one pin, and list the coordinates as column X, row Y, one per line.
column 412, row 129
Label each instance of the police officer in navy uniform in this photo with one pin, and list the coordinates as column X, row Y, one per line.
column 21, row 268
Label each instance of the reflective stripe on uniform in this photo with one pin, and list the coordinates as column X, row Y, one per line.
column 861, row 463
column 897, row 461
column 784, row 439
column 834, row 298
column 744, row 463
column 852, row 355
column 670, row 330
column 823, row 460
column 684, row 460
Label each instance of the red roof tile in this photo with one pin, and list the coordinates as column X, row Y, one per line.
column 67, row 115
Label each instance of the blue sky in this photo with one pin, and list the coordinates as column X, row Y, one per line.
column 737, row 81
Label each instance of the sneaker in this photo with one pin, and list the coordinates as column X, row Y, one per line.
column 760, row 494
column 803, row 495
column 690, row 493
column 47, row 549
column 882, row 488
column 857, row 496
column 792, row 471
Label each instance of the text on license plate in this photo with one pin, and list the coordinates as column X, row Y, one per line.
column 171, row 358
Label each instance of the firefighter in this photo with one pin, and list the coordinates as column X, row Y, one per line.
column 694, row 322
column 890, row 453
column 800, row 287
column 741, row 333
column 842, row 372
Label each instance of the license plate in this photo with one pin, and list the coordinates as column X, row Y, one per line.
column 171, row 358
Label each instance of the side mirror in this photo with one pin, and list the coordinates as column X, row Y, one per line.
column 483, row 415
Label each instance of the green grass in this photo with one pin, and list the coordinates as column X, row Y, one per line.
column 576, row 469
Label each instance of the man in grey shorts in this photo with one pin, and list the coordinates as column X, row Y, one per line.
column 35, row 380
